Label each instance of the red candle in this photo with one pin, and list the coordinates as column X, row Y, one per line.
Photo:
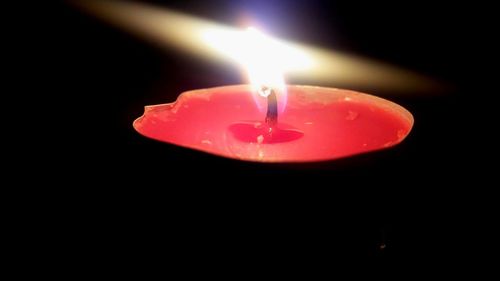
column 316, row 123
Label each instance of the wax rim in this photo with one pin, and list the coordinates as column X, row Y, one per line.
column 385, row 104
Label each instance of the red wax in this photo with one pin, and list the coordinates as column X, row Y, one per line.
column 317, row 124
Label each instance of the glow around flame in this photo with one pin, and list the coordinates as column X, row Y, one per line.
column 302, row 63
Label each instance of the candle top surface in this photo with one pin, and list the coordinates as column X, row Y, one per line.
column 318, row 124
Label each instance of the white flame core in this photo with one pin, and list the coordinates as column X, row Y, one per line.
column 265, row 59
column 262, row 62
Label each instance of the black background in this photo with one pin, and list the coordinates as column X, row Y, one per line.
column 140, row 201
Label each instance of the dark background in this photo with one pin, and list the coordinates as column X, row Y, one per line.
column 139, row 199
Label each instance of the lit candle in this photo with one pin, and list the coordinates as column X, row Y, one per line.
column 268, row 121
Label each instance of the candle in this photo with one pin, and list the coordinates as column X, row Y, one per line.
column 317, row 124
column 268, row 121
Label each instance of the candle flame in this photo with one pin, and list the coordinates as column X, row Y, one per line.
column 264, row 59
column 263, row 63
column 265, row 68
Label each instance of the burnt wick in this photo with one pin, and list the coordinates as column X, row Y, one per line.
column 272, row 108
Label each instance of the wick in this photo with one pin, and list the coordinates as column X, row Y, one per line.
column 272, row 108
